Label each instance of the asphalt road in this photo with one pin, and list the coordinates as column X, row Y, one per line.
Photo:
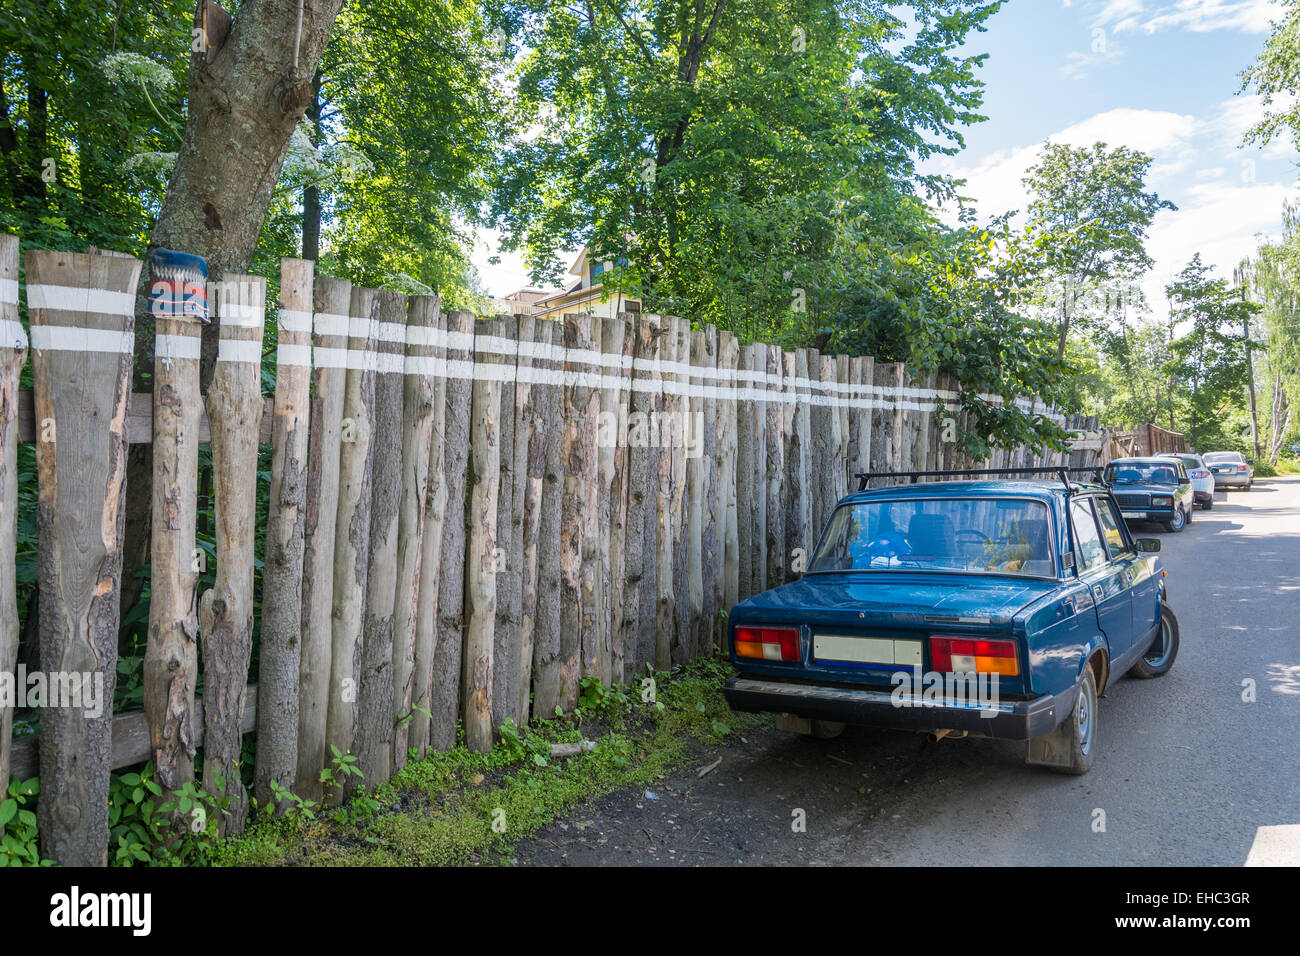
column 1187, row 771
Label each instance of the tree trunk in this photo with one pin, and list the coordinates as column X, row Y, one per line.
column 13, row 354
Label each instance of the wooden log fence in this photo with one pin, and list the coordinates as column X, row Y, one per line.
column 466, row 518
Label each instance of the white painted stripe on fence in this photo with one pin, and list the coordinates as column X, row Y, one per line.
column 361, row 327
column 167, row 346
column 425, row 365
column 68, row 338
column 241, row 314
column 330, row 323
column 293, row 320
column 330, row 358
column 8, row 291
column 12, row 334
column 287, row 354
column 66, row 298
column 423, row 335
column 239, row 350
column 390, row 362
column 391, row 331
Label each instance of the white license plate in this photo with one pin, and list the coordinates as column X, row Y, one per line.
column 866, row 650
column 1133, row 514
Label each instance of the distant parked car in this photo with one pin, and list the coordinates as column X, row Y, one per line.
column 1231, row 469
column 1152, row 489
column 1202, row 480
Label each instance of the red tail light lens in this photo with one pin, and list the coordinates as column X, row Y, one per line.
column 768, row 643
column 963, row 655
column 1241, row 468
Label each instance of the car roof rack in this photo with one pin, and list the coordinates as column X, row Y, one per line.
column 1061, row 472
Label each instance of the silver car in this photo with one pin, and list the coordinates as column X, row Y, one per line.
column 1231, row 469
column 1199, row 472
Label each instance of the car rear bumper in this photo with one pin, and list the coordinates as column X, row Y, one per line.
column 1231, row 481
column 1202, row 497
column 1012, row 720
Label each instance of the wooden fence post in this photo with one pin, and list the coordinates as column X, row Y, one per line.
column 171, row 663
column 665, row 609
column 745, row 497
column 800, row 534
column 621, row 634
column 546, row 622
column 279, row 663
column 444, row 697
column 611, row 445
column 507, row 560
column 729, row 532
column 481, row 553
column 352, row 525
column 578, row 643
column 696, row 477
column 13, row 353
column 710, row 569
column 639, row 593
column 82, row 311
column 375, row 718
column 533, row 435
column 226, row 612
column 418, row 393
column 330, row 303
column 681, row 533
column 774, row 472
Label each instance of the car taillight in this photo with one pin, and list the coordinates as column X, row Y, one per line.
column 1199, row 473
column 768, row 643
column 963, row 655
column 1241, row 468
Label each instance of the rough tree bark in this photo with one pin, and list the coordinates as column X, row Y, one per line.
column 13, row 353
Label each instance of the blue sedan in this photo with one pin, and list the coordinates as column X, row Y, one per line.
column 993, row 608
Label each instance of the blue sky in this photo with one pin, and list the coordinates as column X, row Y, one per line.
column 1157, row 75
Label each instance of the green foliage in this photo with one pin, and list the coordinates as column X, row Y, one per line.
column 19, row 840
column 1275, row 75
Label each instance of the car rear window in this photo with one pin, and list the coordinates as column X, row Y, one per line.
column 1141, row 472
column 1222, row 456
column 992, row 535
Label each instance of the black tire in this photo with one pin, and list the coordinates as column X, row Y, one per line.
column 1163, row 651
column 1083, row 728
column 1176, row 524
column 826, row 729
column 1189, row 512
column 1209, row 505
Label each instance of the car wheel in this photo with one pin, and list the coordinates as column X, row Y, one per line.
column 1209, row 503
column 1176, row 523
column 1082, row 737
column 1162, row 652
column 1189, row 513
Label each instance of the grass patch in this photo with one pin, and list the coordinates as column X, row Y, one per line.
column 461, row 807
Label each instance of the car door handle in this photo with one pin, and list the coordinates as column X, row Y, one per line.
column 1098, row 592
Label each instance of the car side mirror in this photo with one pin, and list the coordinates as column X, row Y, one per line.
column 1148, row 545
column 1250, row 461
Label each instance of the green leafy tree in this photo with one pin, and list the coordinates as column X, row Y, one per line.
column 1090, row 213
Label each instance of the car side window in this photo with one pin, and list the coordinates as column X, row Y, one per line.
column 1091, row 552
column 1110, row 526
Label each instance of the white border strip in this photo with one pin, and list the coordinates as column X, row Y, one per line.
column 8, row 291
column 12, row 334
column 66, row 298
column 293, row 320
column 70, row 338
column 168, row 346
column 239, row 350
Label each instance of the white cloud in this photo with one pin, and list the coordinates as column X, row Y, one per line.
column 1197, row 16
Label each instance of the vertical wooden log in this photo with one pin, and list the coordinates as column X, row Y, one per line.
column 171, row 662
column 710, row 574
column 505, row 635
column 680, row 646
column 444, row 697
column 668, row 405
column 800, row 532
column 578, row 641
column 375, row 720
column 534, row 434
column 842, row 368
column 612, row 501
column 897, row 448
column 863, row 371
column 821, row 371
column 696, row 476
column 728, row 462
column 481, row 552
column 757, row 412
column 434, row 505
column 82, row 310
column 639, row 592
column 226, row 612
column 774, row 472
column 331, row 299
column 279, row 661
column 523, row 534
column 745, row 471
column 418, row 392
column 13, row 353
column 546, row 628
column 352, row 524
